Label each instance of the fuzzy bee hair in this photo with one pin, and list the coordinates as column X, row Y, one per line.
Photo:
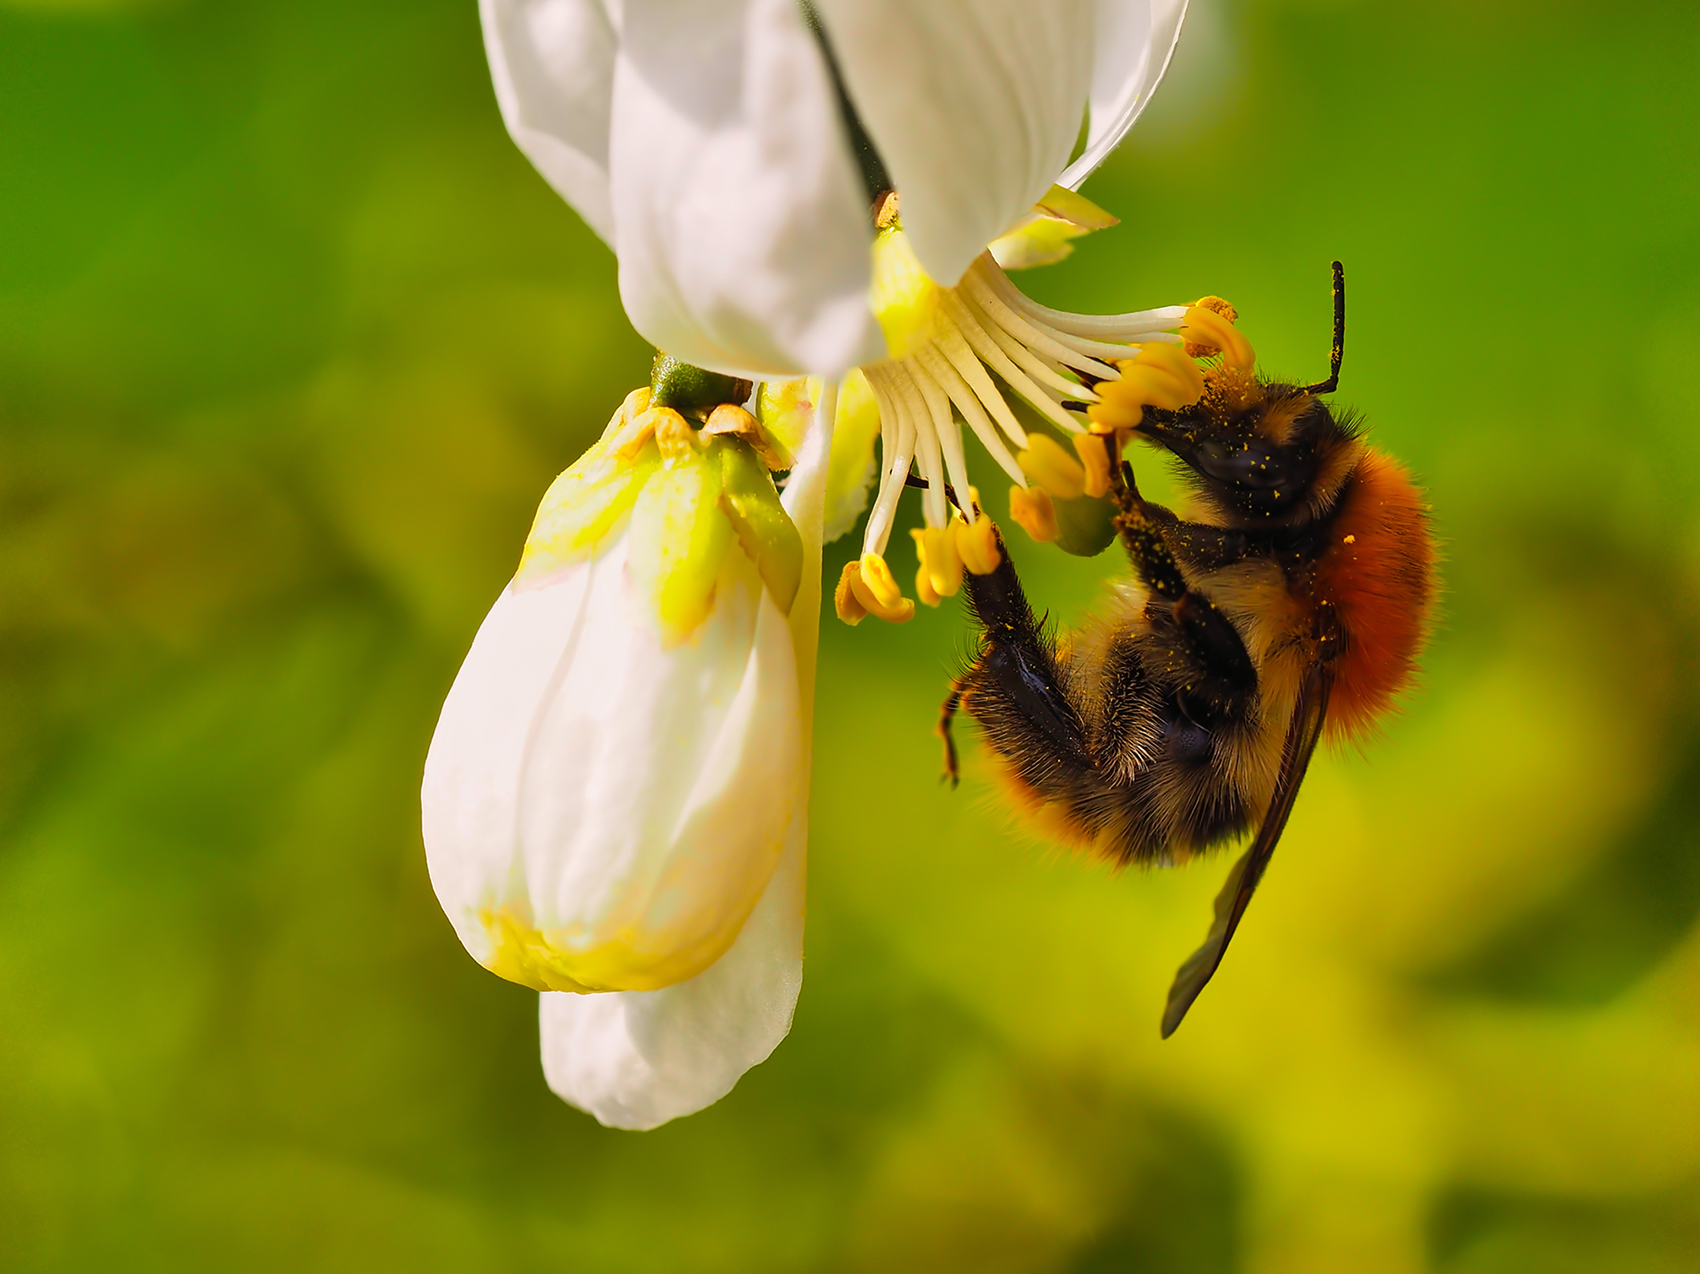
column 1290, row 601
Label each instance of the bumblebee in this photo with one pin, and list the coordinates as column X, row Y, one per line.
column 1289, row 602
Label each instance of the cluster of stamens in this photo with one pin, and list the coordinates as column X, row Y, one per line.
column 1090, row 376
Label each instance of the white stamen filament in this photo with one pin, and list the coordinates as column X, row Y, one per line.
column 998, row 359
column 1052, row 343
column 986, row 326
column 935, row 364
column 1136, row 327
column 898, row 442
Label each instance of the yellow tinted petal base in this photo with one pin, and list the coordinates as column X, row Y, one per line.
column 522, row 953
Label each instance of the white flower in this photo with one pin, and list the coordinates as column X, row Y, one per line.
column 705, row 142
column 728, row 151
column 615, row 800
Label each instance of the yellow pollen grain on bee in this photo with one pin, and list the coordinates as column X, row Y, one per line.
column 1034, row 513
column 1351, row 539
column 1094, row 453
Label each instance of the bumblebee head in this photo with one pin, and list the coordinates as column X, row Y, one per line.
column 1261, row 450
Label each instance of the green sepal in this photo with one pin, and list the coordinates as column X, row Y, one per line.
column 678, row 540
column 1044, row 235
column 685, row 388
column 1085, row 525
column 764, row 529
column 582, row 508
column 1041, row 241
column 1073, row 208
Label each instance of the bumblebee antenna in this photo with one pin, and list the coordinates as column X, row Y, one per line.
column 1339, row 348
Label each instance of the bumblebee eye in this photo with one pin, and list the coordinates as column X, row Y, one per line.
column 1245, row 464
column 1250, row 472
column 1188, row 743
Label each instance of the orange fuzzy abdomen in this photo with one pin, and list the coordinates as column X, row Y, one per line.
column 1378, row 571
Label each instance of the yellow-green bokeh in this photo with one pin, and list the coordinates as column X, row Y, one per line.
column 291, row 342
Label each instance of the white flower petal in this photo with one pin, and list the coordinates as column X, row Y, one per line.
column 469, row 799
column 1136, row 39
column 740, row 220
column 635, row 1059
column 850, row 480
column 974, row 106
column 552, row 62
column 625, row 801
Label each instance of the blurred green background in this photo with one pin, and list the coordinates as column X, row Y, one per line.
column 292, row 340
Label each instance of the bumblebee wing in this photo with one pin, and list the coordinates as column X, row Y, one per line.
column 1302, row 736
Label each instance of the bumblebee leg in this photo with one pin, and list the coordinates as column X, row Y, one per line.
column 1204, row 547
column 1142, row 537
column 1228, row 679
column 947, row 713
column 1018, row 693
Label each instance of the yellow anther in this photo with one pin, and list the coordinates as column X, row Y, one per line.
column 873, row 586
column 978, row 545
column 1094, row 455
column 633, row 432
column 1174, row 360
column 634, row 404
column 940, row 562
column 1158, row 387
column 673, row 434
column 1216, row 305
column 1208, row 330
column 1034, row 513
column 1047, row 464
column 1160, row 375
column 924, row 588
column 844, row 601
column 729, row 418
column 1115, row 417
column 880, row 581
column 1121, row 403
